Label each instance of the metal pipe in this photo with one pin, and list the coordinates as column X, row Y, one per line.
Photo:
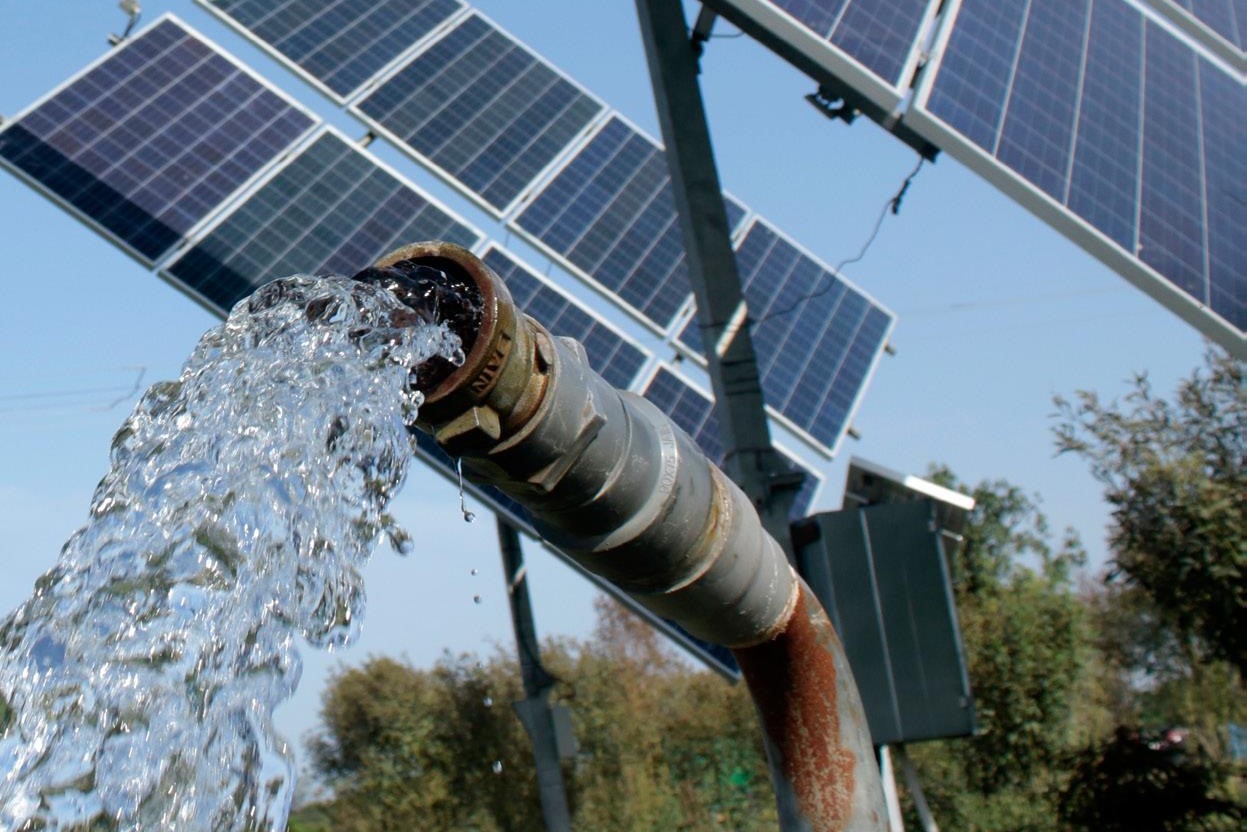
column 613, row 484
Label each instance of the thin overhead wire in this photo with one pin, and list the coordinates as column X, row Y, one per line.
column 893, row 206
column 73, row 398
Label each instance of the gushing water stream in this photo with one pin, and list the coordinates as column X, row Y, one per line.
column 240, row 503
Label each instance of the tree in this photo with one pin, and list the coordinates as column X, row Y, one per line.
column 1131, row 782
column 662, row 745
column 405, row 748
column 1175, row 475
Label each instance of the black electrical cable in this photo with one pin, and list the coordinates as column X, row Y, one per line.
column 893, row 205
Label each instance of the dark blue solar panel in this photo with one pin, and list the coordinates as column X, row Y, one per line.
column 694, row 413
column 340, row 43
column 611, row 214
column 1109, row 113
column 1104, row 182
column 1224, row 105
column 148, row 142
column 1039, row 122
column 483, row 109
column 1171, row 226
column 819, row 15
column 813, row 360
column 616, row 360
column 332, row 210
column 880, row 34
column 975, row 69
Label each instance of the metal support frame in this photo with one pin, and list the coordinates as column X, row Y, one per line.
column 534, row 710
column 722, row 314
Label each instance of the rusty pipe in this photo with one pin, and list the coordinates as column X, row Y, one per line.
column 613, row 484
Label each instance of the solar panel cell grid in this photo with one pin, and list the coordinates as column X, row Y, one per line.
column 331, row 210
column 483, row 109
column 976, row 67
column 1225, row 158
column 615, row 359
column 1039, row 121
column 152, row 139
column 819, row 15
column 1103, row 187
column 611, row 214
column 340, row 43
column 880, row 34
column 816, row 337
column 1106, row 111
column 1171, row 227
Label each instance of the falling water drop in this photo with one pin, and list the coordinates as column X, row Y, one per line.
column 476, row 599
column 488, row 701
column 468, row 516
column 497, row 767
column 474, row 571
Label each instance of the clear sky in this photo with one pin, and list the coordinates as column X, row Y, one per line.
column 997, row 313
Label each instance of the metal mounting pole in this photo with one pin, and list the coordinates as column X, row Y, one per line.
column 534, row 711
column 749, row 458
column 722, row 314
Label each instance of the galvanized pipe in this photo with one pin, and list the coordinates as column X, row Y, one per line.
column 613, row 484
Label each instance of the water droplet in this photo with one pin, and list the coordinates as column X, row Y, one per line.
column 497, row 767
column 474, row 571
column 488, row 701
column 476, row 599
column 468, row 516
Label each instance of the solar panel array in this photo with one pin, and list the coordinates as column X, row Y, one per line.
column 332, row 209
column 693, row 411
column 867, row 48
column 817, row 336
column 339, row 44
column 1097, row 108
column 586, row 188
column 147, row 142
column 616, row 358
column 481, row 108
column 610, row 215
column 879, row 34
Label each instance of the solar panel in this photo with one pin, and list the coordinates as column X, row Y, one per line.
column 339, row 45
column 817, row 336
column 1113, row 127
column 146, row 142
column 869, row 47
column 693, row 411
column 483, row 110
column 615, row 357
column 332, row 208
column 609, row 215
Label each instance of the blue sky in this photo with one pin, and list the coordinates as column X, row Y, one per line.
column 997, row 313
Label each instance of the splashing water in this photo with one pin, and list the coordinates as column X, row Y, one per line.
column 241, row 501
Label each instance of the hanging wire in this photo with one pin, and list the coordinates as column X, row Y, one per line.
column 893, row 205
column 78, row 398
